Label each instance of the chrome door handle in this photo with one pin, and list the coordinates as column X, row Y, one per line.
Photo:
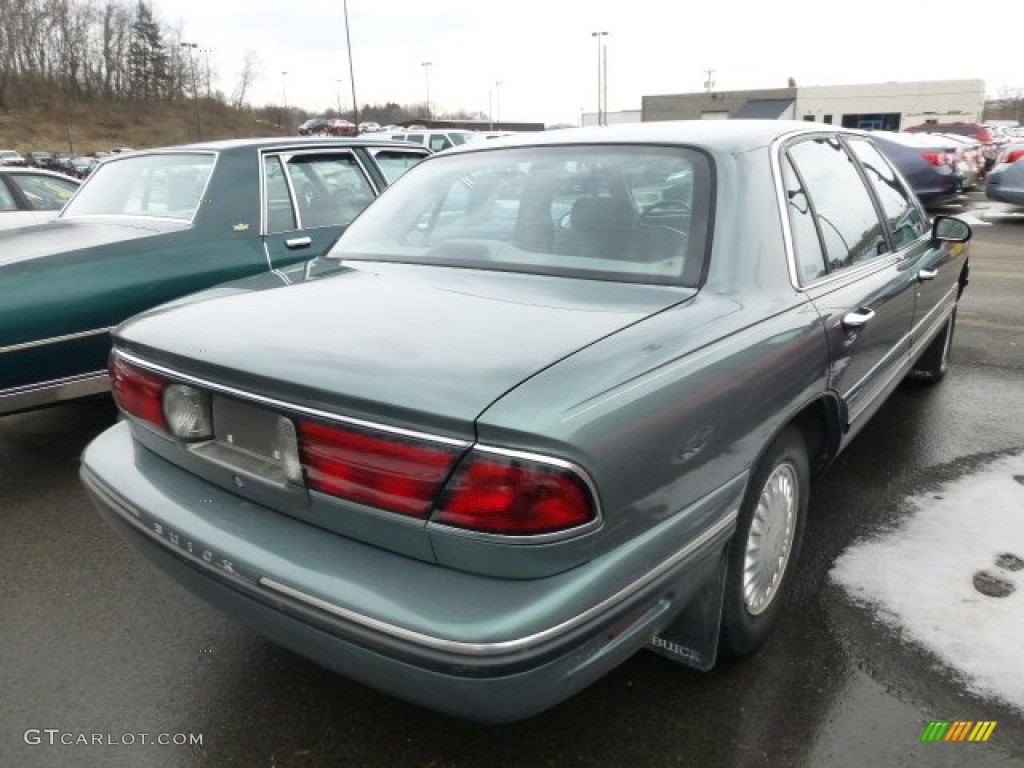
column 858, row 318
column 298, row 242
column 927, row 274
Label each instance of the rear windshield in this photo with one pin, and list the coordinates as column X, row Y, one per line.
column 168, row 186
column 625, row 213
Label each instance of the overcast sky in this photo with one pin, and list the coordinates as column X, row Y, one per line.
column 544, row 55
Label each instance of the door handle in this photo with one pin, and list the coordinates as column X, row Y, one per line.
column 858, row 318
column 298, row 242
column 927, row 274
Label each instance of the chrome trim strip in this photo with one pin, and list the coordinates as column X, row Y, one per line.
column 55, row 339
column 537, row 538
column 518, row 644
column 291, row 407
column 48, row 392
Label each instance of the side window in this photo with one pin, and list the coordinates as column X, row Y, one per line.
column 393, row 163
column 810, row 258
column 280, row 213
column 439, row 141
column 846, row 217
column 415, row 138
column 330, row 190
column 45, row 193
column 6, row 198
column 906, row 222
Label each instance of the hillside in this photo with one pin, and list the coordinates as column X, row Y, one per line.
column 85, row 128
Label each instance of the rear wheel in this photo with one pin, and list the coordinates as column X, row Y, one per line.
column 763, row 553
column 934, row 362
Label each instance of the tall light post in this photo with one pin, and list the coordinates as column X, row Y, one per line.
column 497, row 102
column 284, row 99
column 339, row 98
column 598, row 36
column 351, row 70
column 426, row 71
column 190, row 49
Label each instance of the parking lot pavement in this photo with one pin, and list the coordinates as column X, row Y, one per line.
column 96, row 645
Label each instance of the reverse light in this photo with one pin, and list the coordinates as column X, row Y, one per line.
column 515, row 496
column 187, row 412
column 392, row 472
column 137, row 392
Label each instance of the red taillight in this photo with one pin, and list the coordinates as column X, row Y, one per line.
column 1011, row 156
column 514, row 496
column 934, row 158
column 137, row 392
column 394, row 473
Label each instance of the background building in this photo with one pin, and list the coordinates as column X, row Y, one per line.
column 871, row 106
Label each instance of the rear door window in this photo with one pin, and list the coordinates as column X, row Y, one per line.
column 904, row 217
column 846, row 217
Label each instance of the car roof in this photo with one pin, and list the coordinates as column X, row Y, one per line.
column 279, row 142
column 724, row 135
column 22, row 171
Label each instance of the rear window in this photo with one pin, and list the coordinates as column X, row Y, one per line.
column 166, row 186
column 625, row 213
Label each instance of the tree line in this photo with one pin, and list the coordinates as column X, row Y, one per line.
column 89, row 50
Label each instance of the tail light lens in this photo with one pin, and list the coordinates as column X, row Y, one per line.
column 934, row 158
column 137, row 392
column 515, row 496
column 391, row 472
column 1011, row 156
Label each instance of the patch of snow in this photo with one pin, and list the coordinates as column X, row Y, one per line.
column 919, row 577
column 973, row 220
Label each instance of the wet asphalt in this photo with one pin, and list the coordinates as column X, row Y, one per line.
column 96, row 645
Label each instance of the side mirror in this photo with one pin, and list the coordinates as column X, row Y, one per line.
column 949, row 229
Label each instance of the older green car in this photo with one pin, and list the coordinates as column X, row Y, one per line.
column 551, row 400
column 152, row 226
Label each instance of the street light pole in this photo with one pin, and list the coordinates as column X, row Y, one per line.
column 339, row 98
column 497, row 102
column 351, row 70
column 426, row 71
column 598, row 36
column 284, row 99
column 190, row 48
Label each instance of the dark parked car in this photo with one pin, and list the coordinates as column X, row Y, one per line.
column 927, row 162
column 543, row 405
column 31, row 196
column 39, row 159
column 314, row 126
column 1005, row 182
column 150, row 226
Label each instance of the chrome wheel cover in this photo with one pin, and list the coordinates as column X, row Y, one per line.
column 770, row 540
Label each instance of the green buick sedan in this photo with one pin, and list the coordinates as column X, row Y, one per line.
column 550, row 401
column 151, row 226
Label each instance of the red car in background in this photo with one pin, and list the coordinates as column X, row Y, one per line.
column 339, row 127
column 989, row 139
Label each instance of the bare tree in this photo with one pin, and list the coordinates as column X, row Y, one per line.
column 247, row 75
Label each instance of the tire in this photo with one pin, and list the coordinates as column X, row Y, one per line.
column 934, row 363
column 772, row 516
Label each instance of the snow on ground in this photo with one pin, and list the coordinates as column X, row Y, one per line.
column 919, row 577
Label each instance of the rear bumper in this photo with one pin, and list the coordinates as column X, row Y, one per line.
column 315, row 593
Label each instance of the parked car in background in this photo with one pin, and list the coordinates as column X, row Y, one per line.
column 39, row 159
column 83, row 166
column 150, row 226
column 314, row 126
column 927, row 162
column 542, row 405
column 434, row 140
column 1005, row 182
column 8, row 157
column 369, row 127
column 988, row 138
column 970, row 158
column 31, row 196
column 339, row 127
